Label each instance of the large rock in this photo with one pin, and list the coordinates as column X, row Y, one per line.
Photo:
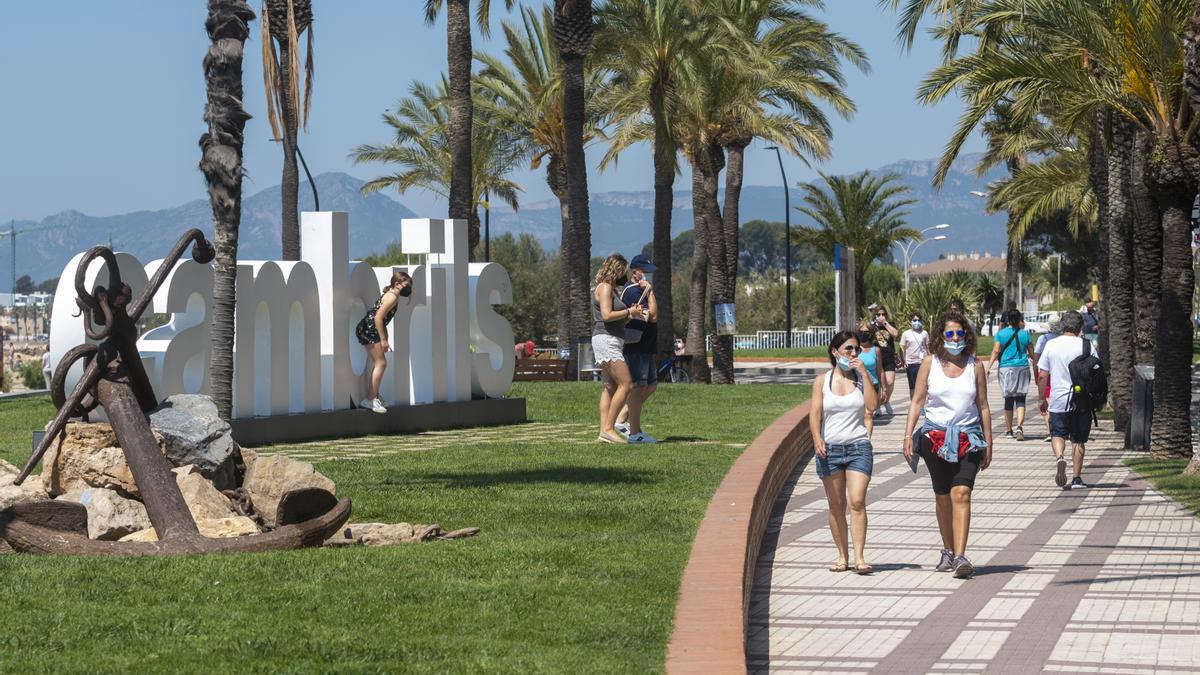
column 384, row 534
column 216, row 528
column 28, row 491
column 268, row 478
column 110, row 516
column 203, row 500
column 193, row 433
column 87, row 457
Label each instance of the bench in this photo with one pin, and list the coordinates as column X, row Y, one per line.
column 540, row 370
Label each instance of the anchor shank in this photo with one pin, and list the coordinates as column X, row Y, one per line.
column 164, row 502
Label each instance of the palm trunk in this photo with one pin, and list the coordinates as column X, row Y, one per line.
column 221, row 163
column 664, row 200
column 720, row 285
column 1098, row 177
column 726, row 258
column 1118, row 304
column 1012, row 263
column 573, row 33
column 458, row 57
column 1172, row 174
column 860, row 282
column 1147, row 257
column 289, row 187
column 698, row 295
column 556, row 179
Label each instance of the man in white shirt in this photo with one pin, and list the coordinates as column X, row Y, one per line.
column 1066, row 423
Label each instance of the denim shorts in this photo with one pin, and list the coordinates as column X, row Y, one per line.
column 1075, row 426
column 850, row 457
column 641, row 368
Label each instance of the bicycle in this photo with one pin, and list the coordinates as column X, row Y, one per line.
column 675, row 369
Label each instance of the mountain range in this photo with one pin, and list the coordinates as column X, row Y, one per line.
column 621, row 221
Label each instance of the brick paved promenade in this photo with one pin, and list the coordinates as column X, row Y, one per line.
column 1105, row 580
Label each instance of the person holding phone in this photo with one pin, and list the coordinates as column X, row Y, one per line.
column 609, row 316
column 885, row 340
column 842, row 403
column 641, row 342
column 371, row 332
column 956, row 438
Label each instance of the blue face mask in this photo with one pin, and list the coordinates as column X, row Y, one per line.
column 916, row 325
column 955, row 348
column 843, row 363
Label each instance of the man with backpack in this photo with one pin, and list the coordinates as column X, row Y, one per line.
column 1078, row 388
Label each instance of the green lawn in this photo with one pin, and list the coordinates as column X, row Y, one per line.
column 576, row 570
column 1167, row 476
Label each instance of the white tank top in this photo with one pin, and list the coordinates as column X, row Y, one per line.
column 842, row 420
column 952, row 399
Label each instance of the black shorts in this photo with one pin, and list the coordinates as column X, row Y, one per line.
column 887, row 361
column 1075, row 426
column 945, row 475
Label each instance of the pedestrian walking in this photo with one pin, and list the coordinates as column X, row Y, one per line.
column 1070, row 413
column 1091, row 323
column 914, row 342
column 609, row 316
column 1040, row 347
column 956, row 438
column 841, row 406
column 870, row 358
column 372, row 334
column 1014, row 349
column 885, row 341
column 641, row 342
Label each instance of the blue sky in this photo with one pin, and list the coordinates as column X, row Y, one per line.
column 102, row 102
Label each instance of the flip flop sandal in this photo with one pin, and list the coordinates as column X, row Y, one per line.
column 839, row 567
column 864, row 570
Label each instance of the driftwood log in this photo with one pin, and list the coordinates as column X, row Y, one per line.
column 115, row 379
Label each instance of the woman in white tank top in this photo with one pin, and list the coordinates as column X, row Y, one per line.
column 841, row 408
column 955, row 439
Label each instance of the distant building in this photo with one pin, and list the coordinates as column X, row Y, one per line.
column 973, row 263
column 19, row 300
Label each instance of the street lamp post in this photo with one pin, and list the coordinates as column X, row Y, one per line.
column 787, row 245
column 910, row 248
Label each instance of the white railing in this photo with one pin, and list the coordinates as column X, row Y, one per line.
column 813, row 336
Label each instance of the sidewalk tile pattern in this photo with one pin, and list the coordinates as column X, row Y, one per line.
column 1104, row 580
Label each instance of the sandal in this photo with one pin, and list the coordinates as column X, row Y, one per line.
column 863, row 570
column 839, row 567
column 605, row 438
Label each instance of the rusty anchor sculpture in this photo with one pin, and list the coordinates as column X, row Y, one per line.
column 115, row 379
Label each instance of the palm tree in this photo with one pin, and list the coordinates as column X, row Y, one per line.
column 648, row 47
column 864, row 213
column 1112, row 64
column 526, row 99
column 283, row 22
column 221, row 163
column 458, row 58
column 421, row 151
column 573, row 38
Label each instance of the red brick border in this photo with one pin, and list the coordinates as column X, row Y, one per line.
column 711, row 615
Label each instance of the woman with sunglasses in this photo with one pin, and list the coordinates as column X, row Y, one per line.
column 885, row 340
column 841, row 407
column 956, row 438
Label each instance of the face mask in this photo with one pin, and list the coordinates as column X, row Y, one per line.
column 621, row 281
column 916, row 325
column 843, row 363
column 406, row 291
column 955, row 348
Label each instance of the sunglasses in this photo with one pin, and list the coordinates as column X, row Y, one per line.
column 955, row 334
column 852, row 350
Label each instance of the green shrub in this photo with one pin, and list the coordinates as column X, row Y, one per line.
column 32, row 375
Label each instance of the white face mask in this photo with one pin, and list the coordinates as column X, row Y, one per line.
column 955, row 348
column 916, row 325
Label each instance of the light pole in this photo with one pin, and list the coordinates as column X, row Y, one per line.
column 910, row 247
column 787, row 245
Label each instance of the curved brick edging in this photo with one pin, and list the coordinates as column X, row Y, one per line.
column 711, row 615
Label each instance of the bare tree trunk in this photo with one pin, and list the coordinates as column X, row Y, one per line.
column 289, row 187
column 221, row 163
column 1098, row 177
column 664, row 200
column 1118, row 304
column 698, row 295
column 458, row 57
column 573, row 36
column 1012, row 263
column 1147, row 257
column 1172, row 173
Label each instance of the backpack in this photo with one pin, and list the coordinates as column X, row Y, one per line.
column 1089, row 382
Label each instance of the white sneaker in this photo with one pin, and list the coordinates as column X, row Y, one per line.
column 366, row 404
column 377, row 406
column 622, row 427
column 642, row 437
